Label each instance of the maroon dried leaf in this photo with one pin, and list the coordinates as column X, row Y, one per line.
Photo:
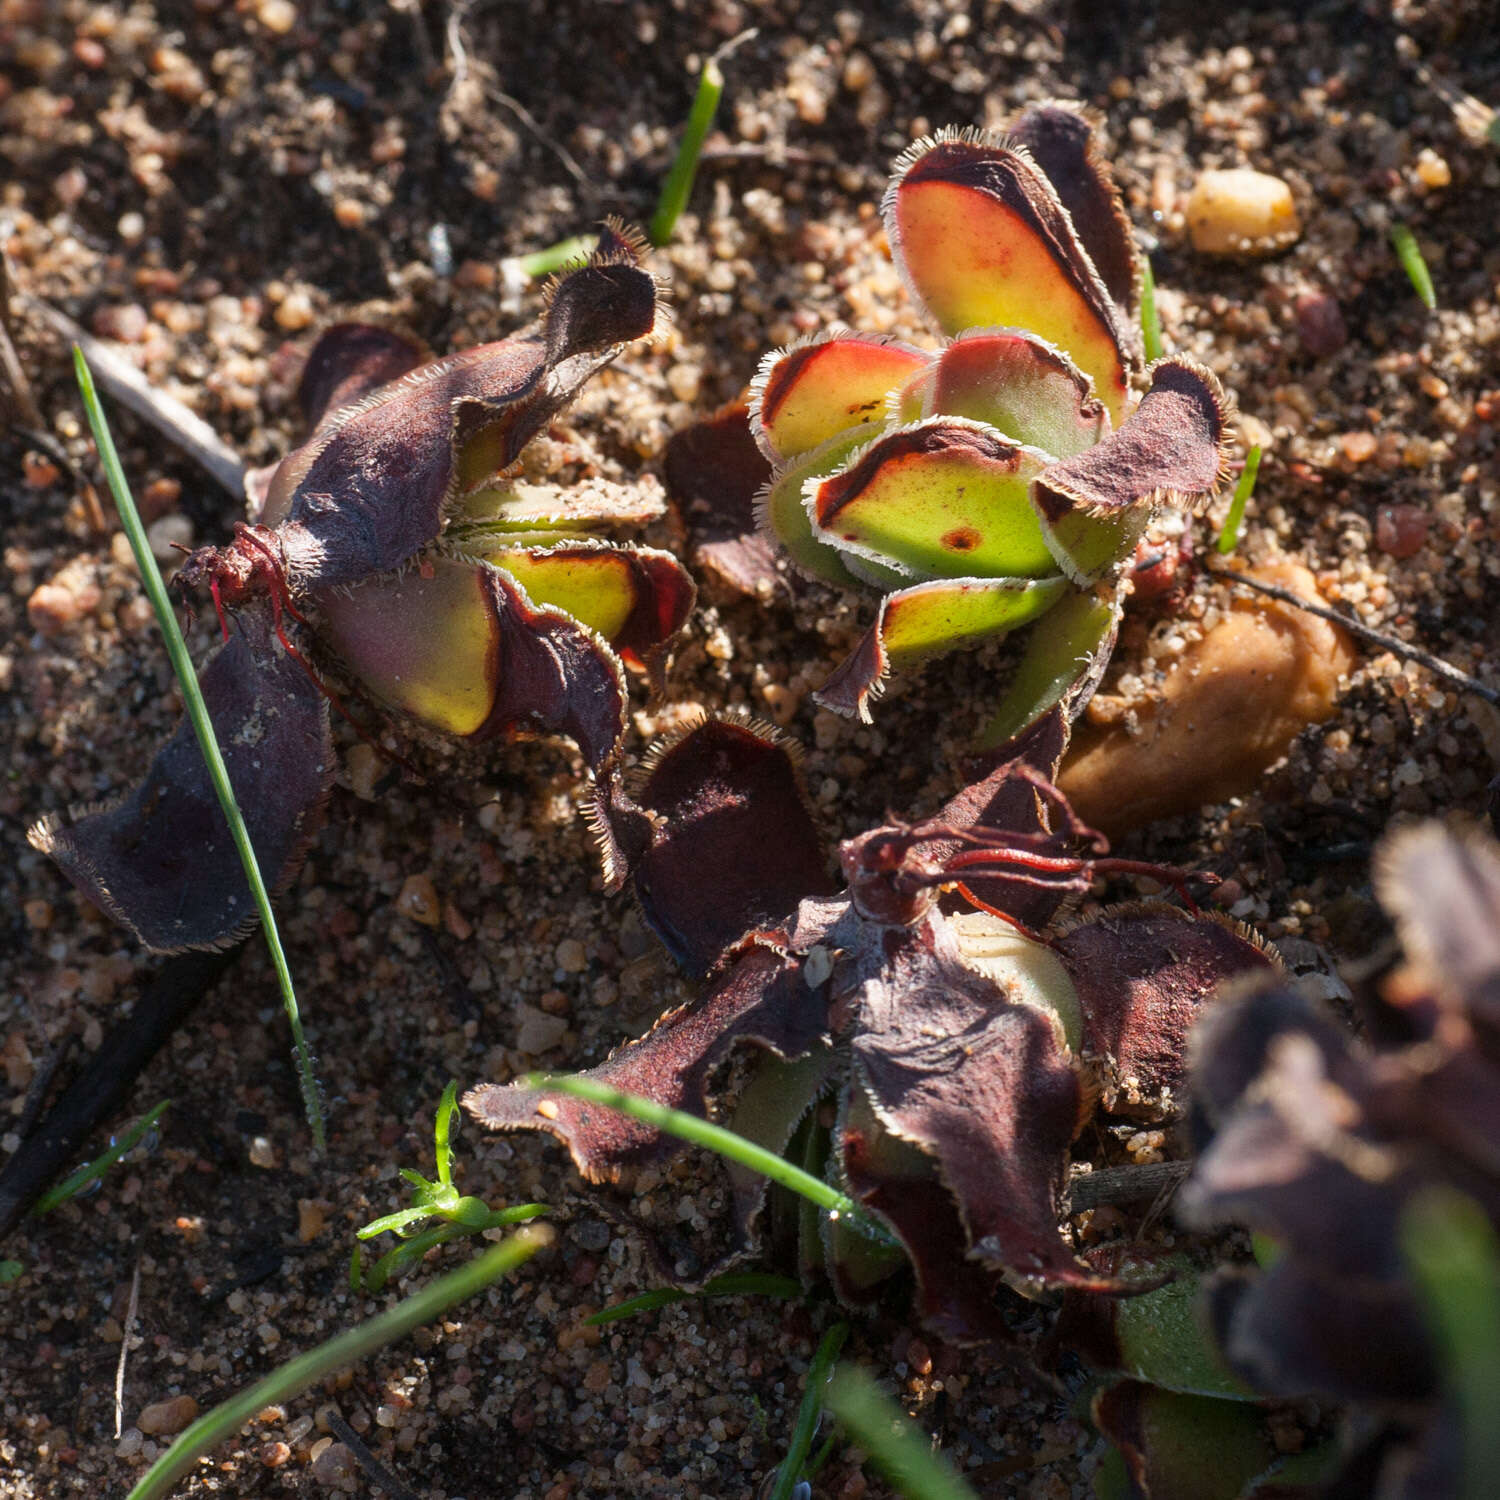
column 982, row 1086
column 1061, row 142
column 1295, row 1156
column 956, row 1296
column 1143, row 973
column 1444, row 891
column 162, row 861
column 372, row 486
column 733, row 846
column 1301, row 1329
column 553, row 675
column 347, row 363
column 1003, row 799
column 763, row 1000
column 1171, row 451
column 714, row 470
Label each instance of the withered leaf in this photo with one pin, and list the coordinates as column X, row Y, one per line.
column 161, row 861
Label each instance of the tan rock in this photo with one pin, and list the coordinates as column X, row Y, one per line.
column 1230, row 708
column 1240, row 212
column 167, row 1418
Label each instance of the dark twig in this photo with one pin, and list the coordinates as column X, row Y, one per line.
column 1123, row 1184
column 1394, row 644
column 119, row 379
column 377, row 1473
column 27, row 413
column 106, row 1079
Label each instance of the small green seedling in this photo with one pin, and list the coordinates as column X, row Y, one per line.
column 678, row 185
column 90, row 1172
column 1150, row 317
column 1230, row 535
column 458, row 1215
column 1409, row 253
column 10, row 1270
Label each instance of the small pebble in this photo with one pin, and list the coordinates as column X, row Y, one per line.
column 571, row 956
column 167, row 535
column 55, row 606
column 1401, row 530
column 1320, row 324
column 419, row 901
column 310, row 1219
column 336, row 1468
column 1240, row 212
column 167, row 1418
column 277, row 16
column 125, row 322
column 536, row 1031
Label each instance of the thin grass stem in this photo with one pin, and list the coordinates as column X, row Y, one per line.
column 714, row 1138
column 1409, row 253
column 1150, row 316
column 75, row 1182
column 678, row 184
column 294, row 1377
column 572, row 251
column 809, row 1413
column 1230, row 535
column 879, row 1427
column 739, row 1284
column 197, row 712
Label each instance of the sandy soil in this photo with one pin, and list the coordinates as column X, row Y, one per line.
column 212, row 182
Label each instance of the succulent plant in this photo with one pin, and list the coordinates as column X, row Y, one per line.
column 962, row 1054
column 1005, row 477
column 398, row 539
column 1355, row 1161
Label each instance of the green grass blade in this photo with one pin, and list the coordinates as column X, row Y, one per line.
column 740, row 1284
column 714, row 1138
column 197, row 712
column 678, row 185
column 1409, row 253
column 899, row 1451
column 809, row 1412
column 569, row 252
column 442, row 1131
column 75, row 1182
column 1150, row 317
column 1454, row 1255
column 1230, row 535
column 294, row 1377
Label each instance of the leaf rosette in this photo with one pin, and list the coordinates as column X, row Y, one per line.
column 402, row 541
column 1004, row 478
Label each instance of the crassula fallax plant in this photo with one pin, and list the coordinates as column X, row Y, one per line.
column 400, row 546
column 1004, row 478
column 937, row 1065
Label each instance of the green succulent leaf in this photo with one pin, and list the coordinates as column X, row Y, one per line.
column 944, row 498
column 985, row 242
column 1063, row 659
column 814, row 390
column 929, row 619
column 1015, row 382
column 781, row 514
